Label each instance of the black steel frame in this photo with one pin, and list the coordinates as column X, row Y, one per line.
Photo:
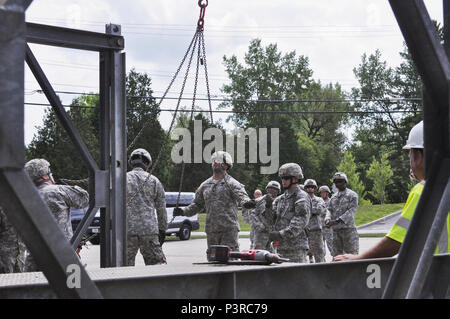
column 19, row 198
column 32, row 218
column 432, row 61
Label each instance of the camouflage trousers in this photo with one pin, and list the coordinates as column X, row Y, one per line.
column 261, row 240
column 345, row 241
column 11, row 262
column 294, row 256
column 316, row 247
column 150, row 249
column 328, row 238
column 30, row 264
column 252, row 238
column 229, row 238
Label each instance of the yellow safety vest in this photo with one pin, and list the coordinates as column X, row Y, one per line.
column 398, row 230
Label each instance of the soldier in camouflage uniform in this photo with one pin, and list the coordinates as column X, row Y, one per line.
column 246, row 216
column 146, row 211
column 259, row 225
column 289, row 216
column 326, row 231
column 219, row 197
column 314, row 229
column 59, row 199
column 12, row 249
column 341, row 217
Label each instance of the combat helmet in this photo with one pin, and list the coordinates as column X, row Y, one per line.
column 222, row 158
column 137, row 156
column 290, row 170
column 324, row 188
column 310, row 182
column 37, row 168
column 340, row 175
column 275, row 185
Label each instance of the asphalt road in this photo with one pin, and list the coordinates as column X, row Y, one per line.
column 185, row 253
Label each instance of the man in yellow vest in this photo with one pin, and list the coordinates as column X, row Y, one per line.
column 390, row 244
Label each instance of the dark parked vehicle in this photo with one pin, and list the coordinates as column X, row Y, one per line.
column 181, row 226
column 94, row 228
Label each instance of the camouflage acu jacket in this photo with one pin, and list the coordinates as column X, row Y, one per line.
column 255, row 218
column 318, row 212
column 290, row 215
column 146, row 203
column 343, row 205
column 59, row 198
column 219, row 199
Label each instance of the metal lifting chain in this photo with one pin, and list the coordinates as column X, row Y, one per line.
column 198, row 39
column 201, row 59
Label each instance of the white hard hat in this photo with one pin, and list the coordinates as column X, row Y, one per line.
column 415, row 138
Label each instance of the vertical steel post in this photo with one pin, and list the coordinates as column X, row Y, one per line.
column 118, row 161
column 105, row 156
column 113, row 153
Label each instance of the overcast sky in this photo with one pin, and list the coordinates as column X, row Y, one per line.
column 332, row 34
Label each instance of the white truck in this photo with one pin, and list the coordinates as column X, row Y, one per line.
column 181, row 226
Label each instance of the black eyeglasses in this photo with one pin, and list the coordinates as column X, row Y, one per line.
column 286, row 177
column 310, row 186
column 339, row 181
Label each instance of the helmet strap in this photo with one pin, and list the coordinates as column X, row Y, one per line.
column 44, row 179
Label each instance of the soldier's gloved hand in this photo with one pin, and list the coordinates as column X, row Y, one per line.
column 331, row 223
column 269, row 201
column 177, row 211
column 274, row 236
column 162, row 237
column 249, row 204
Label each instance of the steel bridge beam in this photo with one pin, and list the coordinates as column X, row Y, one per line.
column 73, row 38
column 363, row 279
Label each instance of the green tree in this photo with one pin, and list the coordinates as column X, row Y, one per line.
column 194, row 173
column 380, row 173
column 387, row 132
column 143, row 127
column 319, row 139
column 379, row 133
column 348, row 166
column 313, row 141
column 53, row 143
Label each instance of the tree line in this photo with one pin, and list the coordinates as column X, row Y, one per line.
column 313, row 134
